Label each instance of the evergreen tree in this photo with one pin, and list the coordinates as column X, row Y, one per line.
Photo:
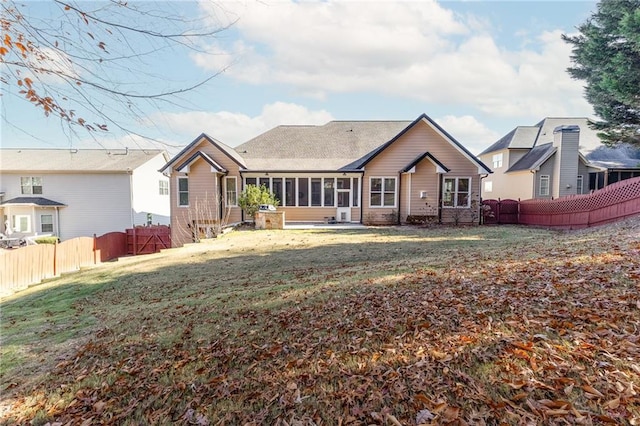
column 606, row 55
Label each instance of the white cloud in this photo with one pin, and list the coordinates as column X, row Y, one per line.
column 235, row 128
column 416, row 50
column 467, row 130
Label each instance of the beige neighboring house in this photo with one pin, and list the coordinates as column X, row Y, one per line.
column 547, row 160
column 81, row 192
column 371, row 172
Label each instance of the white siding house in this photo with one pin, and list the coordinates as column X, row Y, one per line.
column 72, row 193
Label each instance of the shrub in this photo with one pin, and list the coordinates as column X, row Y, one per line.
column 253, row 196
column 46, row 240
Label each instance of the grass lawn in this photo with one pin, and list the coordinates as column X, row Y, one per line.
column 481, row 325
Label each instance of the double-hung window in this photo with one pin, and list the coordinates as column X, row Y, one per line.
column 457, row 192
column 31, row 185
column 497, row 161
column 163, row 187
column 232, row 191
column 382, row 192
column 46, row 223
column 183, row 191
column 544, row 185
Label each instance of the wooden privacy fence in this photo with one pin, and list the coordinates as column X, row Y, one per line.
column 148, row 239
column 501, row 211
column 611, row 203
column 22, row 267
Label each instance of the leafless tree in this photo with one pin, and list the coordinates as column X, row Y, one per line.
column 88, row 62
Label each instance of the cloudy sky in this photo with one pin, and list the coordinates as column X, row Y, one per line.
column 478, row 68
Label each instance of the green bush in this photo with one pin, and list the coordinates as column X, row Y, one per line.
column 253, row 196
column 46, row 240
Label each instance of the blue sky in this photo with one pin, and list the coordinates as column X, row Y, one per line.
column 478, row 68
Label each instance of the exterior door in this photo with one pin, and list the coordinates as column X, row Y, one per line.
column 344, row 205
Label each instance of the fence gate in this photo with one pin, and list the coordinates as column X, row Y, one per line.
column 501, row 211
column 148, row 239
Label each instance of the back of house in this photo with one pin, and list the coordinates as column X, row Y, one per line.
column 370, row 172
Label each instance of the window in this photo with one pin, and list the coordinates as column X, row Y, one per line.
column 183, row 191
column 457, row 192
column 488, row 186
column 21, row 223
column 579, row 185
column 382, row 192
column 250, row 181
column 290, row 191
column 46, row 223
column 232, row 191
column 329, row 184
column 316, row 191
column 303, row 191
column 31, row 185
column 497, row 161
column 355, row 193
column 266, row 182
column 277, row 189
column 544, row 185
column 163, row 187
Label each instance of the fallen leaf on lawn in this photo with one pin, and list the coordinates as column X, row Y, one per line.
column 613, row 404
column 593, row 391
column 423, row 417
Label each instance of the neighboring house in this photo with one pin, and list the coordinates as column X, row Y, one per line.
column 372, row 172
column 80, row 192
column 551, row 159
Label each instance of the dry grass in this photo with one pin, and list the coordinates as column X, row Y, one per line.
column 383, row 325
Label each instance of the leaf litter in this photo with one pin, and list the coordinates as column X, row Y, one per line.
column 384, row 327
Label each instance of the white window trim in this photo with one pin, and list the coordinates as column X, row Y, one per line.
column 226, row 190
column 580, row 184
column 382, row 192
column 455, row 193
column 163, row 187
column 548, row 191
column 42, row 223
column 497, row 160
column 16, row 223
column 31, row 185
column 178, row 191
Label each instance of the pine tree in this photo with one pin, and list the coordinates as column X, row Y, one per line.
column 606, row 55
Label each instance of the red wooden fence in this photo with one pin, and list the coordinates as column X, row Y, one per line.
column 22, row 267
column 148, row 239
column 611, row 203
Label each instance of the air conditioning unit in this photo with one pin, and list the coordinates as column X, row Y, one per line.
column 423, row 194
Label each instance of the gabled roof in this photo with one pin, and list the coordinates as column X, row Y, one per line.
column 229, row 152
column 534, row 158
column 482, row 168
column 75, row 160
column 336, row 145
column 520, row 137
column 199, row 154
column 527, row 137
column 441, row 167
column 32, row 201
